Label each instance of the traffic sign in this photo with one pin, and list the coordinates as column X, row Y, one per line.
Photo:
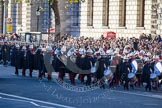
column 9, row 20
column 9, row 28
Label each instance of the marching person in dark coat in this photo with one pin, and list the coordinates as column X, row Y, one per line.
column 79, row 62
column 11, row 54
column 72, row 55
column 38, row 59
column 102, row 65
column 24, row 60
column 146, row 74
column 88, row 61
column 125, row 69
column 30, row 59
column 17, row 59
column 5, row 53
column 48, row 58
column 61, row 69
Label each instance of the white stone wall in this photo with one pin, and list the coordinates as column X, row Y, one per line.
column 131, row 19
column 0, row 17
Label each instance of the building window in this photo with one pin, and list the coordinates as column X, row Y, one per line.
column 122, row 13
column 90, row 13
column 105, row 16
column 140, row 13
column 20, row 13
column 75, row 13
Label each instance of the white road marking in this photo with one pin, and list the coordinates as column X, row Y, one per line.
column 33, row 103
column 151, row 104
column 46, row 107
column 139, row 94
column 35, row 100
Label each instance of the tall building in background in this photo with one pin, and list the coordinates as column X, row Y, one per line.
column 24, row 17
column 1, row 16
column 128, row 18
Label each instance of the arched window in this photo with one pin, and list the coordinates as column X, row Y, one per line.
column 90, row 13
column 140, row 13
column 122, row 13
column 105, row 17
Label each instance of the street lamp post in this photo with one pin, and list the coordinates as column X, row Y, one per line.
column 3, row 17
column 38, row 14
column 49, row 20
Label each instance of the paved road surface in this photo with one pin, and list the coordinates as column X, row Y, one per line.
column 25, row 92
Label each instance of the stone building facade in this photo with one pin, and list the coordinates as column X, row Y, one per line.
column 128, row 18
column 24, row 18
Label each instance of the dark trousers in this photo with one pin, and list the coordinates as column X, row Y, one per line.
column 88, row 82
column 30, row 72
column 61, row 74
column 23, row 71
column 72, row 77
column 16, row 71
column 139, row 80
column 81, row 78
column 148, row 85
column 126, row 83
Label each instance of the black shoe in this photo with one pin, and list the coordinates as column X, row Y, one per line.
column 30, row 75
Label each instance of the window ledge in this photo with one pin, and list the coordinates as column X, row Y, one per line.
column 122, row 27
column 140, row 28
column 90, row 27
column 74, row 26
column 105, row 27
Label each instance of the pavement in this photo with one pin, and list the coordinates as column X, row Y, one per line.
column 26, row 92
